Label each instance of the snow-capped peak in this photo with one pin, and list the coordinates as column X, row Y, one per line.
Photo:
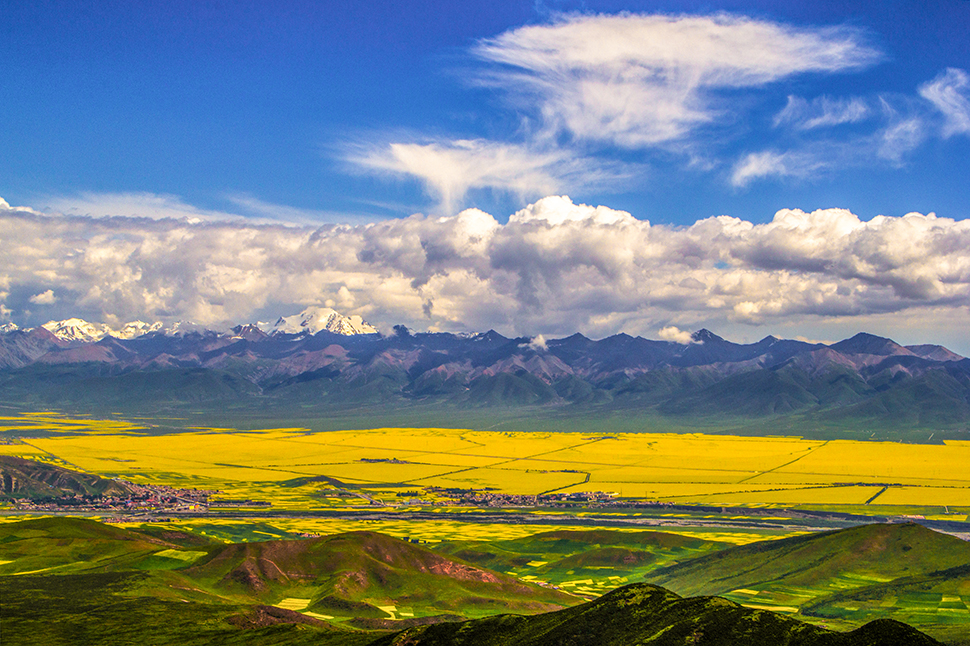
column 75, row 329
column 9, row 326
column 316, row 319
column 135, row 329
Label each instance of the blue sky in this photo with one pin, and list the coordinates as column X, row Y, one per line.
column 208, row 101
column 245, row 114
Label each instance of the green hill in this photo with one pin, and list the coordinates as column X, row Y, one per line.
column 62, row 545
column 845, row 577
column 941, row 598
column 357, row 573
column 864, row 555
column 602, row 558
column 642, row 614
column 76, row 581
column 347, row 576
column 20, row 478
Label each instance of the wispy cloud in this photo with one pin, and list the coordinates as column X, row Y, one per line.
column 588, row 89
column 261, row 210
column 900, row 124
column 950, row 93
column 772, row 163
column 821, row 112
column 160, row 207
column 449, row 169
column 644, row 80
column 897, row 132
column 139, row 204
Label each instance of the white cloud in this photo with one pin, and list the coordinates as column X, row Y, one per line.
column 904, row 124
column 585, row 83
column 141, row 205
column 267, row 212
column 643, row 80
column 675, row 334
column 556, row 267
column 950, row 93
column 821, row 112
column 770, row 163
column 44, row 298
column 898, row 134
column 449, row 169
column 538, row 343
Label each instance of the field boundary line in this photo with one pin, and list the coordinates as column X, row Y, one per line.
column 780, row 466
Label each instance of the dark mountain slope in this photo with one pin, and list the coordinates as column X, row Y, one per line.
column 862, row 381
column 644, row 614
column 20, row 478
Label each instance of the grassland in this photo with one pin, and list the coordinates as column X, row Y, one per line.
column 314, row 481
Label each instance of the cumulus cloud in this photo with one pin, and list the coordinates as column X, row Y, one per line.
column 950, row 93
column 538, row 343
column 675, row 334
column 642, row 80
column 44, row 298
column 555, row 267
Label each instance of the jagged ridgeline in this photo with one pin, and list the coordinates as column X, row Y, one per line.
column 75, row 581
column 327, row 366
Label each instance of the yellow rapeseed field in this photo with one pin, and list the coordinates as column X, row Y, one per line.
column 710, row 469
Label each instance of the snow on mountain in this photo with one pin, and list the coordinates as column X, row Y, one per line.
column 316, row 319
column 75, row 329
column 181, row 328
column 309, row 321
column 135, row 329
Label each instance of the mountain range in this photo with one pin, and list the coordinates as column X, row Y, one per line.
column 309, row 321
column 320, row 361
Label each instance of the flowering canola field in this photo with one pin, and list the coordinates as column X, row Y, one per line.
column 289, row 466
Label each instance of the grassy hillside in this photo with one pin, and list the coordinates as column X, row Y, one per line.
column 360, row 572
column 644, row 614
column 95, row 608
column 98, row 609
column 868, row 553
column 941, row 598
column 586, row 563
column 73, row 545
column 343, row 576
column 21, row 478
column 75, row 581
column 846, row 577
